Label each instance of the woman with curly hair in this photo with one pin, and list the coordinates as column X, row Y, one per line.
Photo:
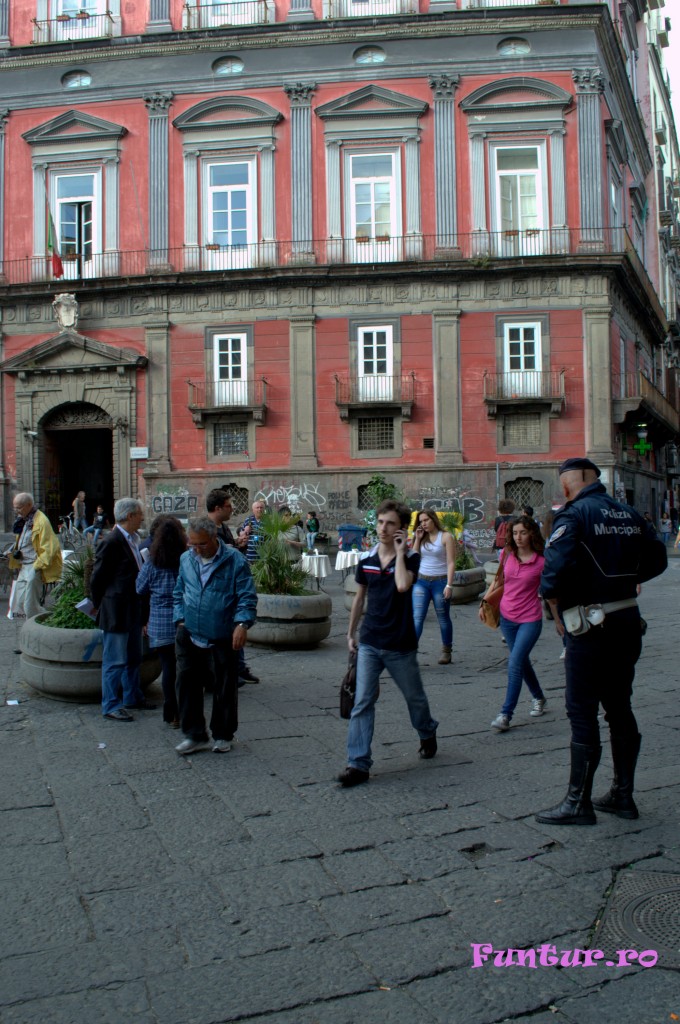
column 437, row 550
column 521, row 614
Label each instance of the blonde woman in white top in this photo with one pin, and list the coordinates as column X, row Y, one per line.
column 437, row 550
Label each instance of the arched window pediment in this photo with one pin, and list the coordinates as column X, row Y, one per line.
column 514, row 93
column 226, row 112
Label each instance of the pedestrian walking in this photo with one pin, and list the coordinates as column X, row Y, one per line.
column 36, row 550
column 79, row 511
column 387, row 641
column 521, row 615
column 249, row 530
column 598, row 554
column 214, row 606
column 437, row 549
column 666, row 529
column 506, row 511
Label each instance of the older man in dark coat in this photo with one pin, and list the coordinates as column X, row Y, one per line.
column 112, row 586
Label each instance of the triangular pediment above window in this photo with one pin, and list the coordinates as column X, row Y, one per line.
column 514, row 93
column 74, row 126
column 225, row 112
column 71, row 351
column 373, row 101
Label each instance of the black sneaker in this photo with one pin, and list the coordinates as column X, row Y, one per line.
column 352, row 777
column 428, row 748
column 246, row 676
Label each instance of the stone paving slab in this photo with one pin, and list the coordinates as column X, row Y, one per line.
column 141, row 886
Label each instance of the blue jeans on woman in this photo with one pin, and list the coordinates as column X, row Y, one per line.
column 403, row 667
column 425, row 591
column 520, row 638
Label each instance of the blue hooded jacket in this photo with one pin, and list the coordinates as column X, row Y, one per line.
column 211, row 611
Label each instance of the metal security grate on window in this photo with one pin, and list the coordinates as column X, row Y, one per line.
column 375, row 434
column 525, row 491
column 364, row 501
column 522, row 431
column 230, row 439
column 239, row 498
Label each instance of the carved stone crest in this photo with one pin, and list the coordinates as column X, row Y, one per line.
column 65, row 308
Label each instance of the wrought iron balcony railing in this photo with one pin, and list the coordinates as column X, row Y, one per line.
column 370, row 8
column 73, row 27
column 479, row 249
column 375, row 390
column 217, row 397
column 522, row 387
column 224, row 15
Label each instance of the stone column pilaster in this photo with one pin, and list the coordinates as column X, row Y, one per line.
column 4, row 114
column 443, row 87
column 158, row 105
column 447, row 396
column 589, row 88
column 157, row 341
column 300, row 97
column 302, row 391
column 597, row 384
column 4, row 24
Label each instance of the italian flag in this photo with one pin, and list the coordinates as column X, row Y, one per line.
column 53, row 248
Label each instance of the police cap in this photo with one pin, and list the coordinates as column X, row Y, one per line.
column 570, row 464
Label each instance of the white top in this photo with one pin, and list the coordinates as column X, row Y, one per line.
column 433, row 557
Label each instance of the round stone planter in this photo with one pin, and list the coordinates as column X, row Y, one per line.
column 66, row 664
column 468, row 584
column 350, row 587
column 287, row 621
column 490, row 570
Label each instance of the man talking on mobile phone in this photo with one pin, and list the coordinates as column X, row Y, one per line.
column 387, row 641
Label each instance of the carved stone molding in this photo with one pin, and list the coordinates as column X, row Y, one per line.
column 300, row 93
column 158, row 103
column 588, row 80
column 444, row 85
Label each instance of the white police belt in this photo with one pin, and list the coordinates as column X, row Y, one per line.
column 580, row 618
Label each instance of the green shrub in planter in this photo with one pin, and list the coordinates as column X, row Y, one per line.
column 70, row 591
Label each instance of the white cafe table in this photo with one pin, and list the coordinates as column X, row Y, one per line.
column 344, row 560
column 318, row 566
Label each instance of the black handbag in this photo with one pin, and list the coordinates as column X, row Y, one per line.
column 348, row 687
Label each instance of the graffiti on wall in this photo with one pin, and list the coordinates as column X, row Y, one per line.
column 178, row 503
column 300, row 496
column 451, row 499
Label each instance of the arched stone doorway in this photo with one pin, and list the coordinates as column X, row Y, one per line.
column 77, row 454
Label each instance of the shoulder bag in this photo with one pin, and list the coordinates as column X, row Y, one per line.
column 491, row 602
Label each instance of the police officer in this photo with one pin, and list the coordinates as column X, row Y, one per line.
column 598, row 553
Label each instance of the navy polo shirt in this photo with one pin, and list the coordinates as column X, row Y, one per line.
column 388, row 618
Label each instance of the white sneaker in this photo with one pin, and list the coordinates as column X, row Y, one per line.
column 501, row 723
column 221, row 747
column 191, row 746
column 563, row 654
column 538, row 706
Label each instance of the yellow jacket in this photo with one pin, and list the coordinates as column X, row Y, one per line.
column 48, row 560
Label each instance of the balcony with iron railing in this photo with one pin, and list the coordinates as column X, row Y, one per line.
column 75, row 27
column 524, row 387
column 376, row 391
column 213, row 398
column 478, row 249
column 230, row 13
column 634, row 392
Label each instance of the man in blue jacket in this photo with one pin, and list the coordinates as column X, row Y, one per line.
column 214, row 606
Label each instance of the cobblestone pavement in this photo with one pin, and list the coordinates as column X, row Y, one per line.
column 142, row 887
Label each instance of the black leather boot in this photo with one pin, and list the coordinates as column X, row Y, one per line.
column 576, row 808
column 619, row 799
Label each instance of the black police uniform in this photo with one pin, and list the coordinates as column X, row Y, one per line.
column 598, row 552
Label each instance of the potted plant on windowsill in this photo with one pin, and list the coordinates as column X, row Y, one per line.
column 82, row 15
column 288, row 613
column 61, row 649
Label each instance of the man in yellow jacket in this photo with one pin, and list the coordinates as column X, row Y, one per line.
column 37, row 551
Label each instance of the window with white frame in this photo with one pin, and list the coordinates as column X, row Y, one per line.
column 80, row 19
column 522, row 359
column 374, row 205
column 230, row 369
column 230, row 216
column 375, row 351
column 76, row 202
column 519, row 201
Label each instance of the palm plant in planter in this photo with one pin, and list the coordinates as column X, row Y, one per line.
column 61, row 650
column 289, row 614
column 469, row 578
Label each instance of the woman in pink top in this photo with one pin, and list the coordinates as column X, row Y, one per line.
column 521, row 614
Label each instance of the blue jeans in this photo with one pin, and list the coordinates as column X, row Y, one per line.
column 520, row 638
column 311, row 537
column 403, row 667
column 425, row 591
column 96, row 530
column 121, row 658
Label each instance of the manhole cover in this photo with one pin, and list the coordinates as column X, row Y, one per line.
column 642, row 913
